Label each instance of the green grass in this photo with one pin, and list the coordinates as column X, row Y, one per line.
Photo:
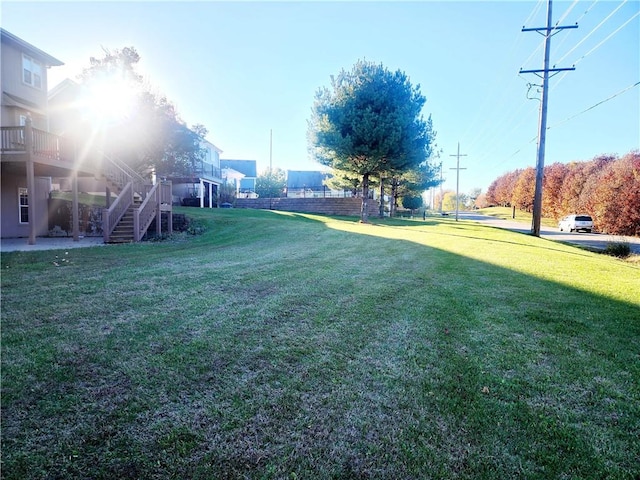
column 280, row 345
column 506, row 213
column 83, row 198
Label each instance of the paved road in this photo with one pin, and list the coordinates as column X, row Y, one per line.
column 592, row 240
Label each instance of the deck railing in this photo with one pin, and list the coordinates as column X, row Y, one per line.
column 155, row 198
column 44, row 144
column 208, row 170
column 12, row 139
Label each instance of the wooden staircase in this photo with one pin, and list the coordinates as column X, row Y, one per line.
column 137, row 204
column 123, row 231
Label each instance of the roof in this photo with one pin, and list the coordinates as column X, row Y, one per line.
column 64, row 85
column 11, row 39
column 209, row 144
column 305, row 179
column 247, row 167
column 231, row 174
column 13, row 101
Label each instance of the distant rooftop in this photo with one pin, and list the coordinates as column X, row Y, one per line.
column 305, row 178
column 247, row 167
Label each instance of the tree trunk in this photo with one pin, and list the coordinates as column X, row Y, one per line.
column 394, row 197
column 364, row 214
column 381, row 211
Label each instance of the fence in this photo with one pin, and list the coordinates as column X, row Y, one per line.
column 322, row 191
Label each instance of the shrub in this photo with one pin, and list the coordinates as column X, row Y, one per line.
column 620, row 249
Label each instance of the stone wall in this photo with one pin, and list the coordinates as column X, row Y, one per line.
column 324, row 206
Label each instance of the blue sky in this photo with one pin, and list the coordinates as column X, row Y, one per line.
column 245, row 68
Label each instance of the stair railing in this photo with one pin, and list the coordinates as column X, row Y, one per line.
column 146, row 212
column 112, row 215
column 156, row 200
column 130, row 183
column 120, row 173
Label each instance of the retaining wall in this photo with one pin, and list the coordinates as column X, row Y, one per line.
column 350, row 206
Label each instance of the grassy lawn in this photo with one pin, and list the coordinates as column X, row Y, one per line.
column 506, row 213
column 281, row 345
column 83, row 198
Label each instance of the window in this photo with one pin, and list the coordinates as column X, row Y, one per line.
column 23, row 205
column 31, row 72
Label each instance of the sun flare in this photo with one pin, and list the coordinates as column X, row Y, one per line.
column 109, row 101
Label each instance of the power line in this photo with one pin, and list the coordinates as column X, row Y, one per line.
column 595, row 48
column 517, row 115
column 567, row 12
column 514, row 111
column 534, row 12
column 587, row 10
column 593, row 31
column 595, row 105
column 509, row 121
column 608, row 37
column 513, row 118
column 562, row 42
column 489, row 100
column 568, row 119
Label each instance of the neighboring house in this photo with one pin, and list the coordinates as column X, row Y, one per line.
column 38, row 149
column 311, row 183
column 201, row 187
column 29, row 154
column 233, row 178
column 244, row 173
column 305, row 183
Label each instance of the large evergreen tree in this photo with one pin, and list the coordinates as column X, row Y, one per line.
column 369, row 123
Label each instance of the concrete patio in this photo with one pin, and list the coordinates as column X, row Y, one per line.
column 48, row 243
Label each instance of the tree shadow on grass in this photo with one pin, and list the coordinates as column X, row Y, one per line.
column 474, row 227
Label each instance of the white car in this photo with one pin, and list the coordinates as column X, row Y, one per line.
column 576, row 223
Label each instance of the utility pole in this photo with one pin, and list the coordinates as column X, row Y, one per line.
column 270, row 168
column 270, row 149
column 457, row 169
column 440, row 202
column 549, row 31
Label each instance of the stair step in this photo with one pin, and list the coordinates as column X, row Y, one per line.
column 123, row 231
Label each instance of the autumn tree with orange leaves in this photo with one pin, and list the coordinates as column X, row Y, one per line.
column 607, row 188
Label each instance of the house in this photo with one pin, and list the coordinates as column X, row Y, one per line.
column 201, row 187
column 243, row 173
column 305, row 183
column 67, row 120
column 33, row 156
column 29, row 154
column 311, row 184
